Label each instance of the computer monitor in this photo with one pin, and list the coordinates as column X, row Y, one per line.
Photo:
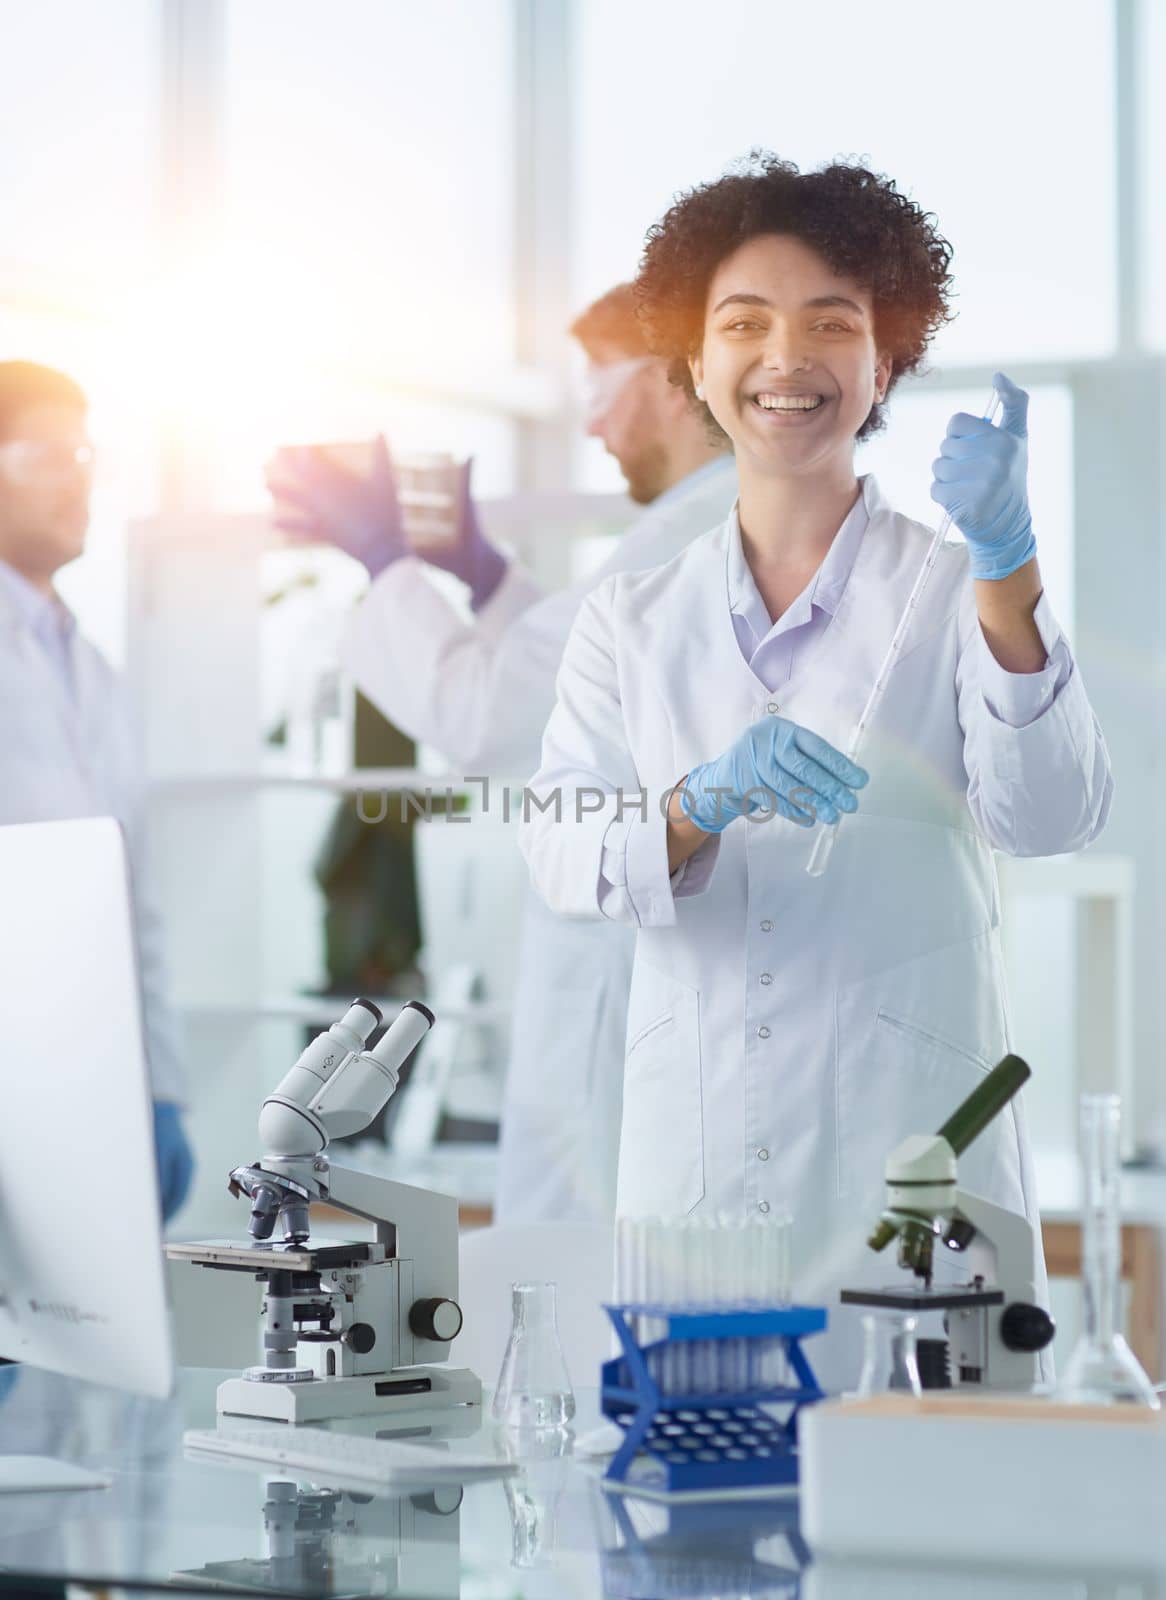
column 82, row 1279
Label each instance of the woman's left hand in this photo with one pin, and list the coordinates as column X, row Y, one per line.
column 980, row 477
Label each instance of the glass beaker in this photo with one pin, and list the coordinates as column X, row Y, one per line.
column 1102, row 1370
column 431, row 487
column 890, row 1360
column 534, row 1389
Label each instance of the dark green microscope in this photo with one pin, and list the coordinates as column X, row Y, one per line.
column 995, row 1330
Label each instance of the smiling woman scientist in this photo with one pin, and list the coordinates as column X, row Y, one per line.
column 785, row 1031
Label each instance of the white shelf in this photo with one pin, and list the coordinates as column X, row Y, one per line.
column 199, row 785
column 1085, row 876
column 326, row 1009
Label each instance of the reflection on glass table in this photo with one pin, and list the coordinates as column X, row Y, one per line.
column 835, row 1579
column 339, row 1542
column 543, row 1457
column 100, row 1531
column 169, row 1524
column 723, row 1548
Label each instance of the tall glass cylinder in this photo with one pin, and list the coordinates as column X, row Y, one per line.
column 1103, row 1369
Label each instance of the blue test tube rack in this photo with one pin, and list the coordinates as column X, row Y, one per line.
column 746, row 1448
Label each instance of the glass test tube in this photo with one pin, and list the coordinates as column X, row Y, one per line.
column 724, row 1263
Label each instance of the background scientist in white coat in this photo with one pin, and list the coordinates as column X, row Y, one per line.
column 786, row 1031
column 65, row 743
column 479, row 690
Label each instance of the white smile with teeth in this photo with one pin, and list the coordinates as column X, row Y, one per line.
column 788, row 402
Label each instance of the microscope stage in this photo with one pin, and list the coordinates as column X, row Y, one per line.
column 949, row 1297
column 260, row 1257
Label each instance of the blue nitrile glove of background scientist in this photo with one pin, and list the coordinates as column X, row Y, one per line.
column 980, row 477
column 175, row 1161
column 175, row 1170
column 319, row 500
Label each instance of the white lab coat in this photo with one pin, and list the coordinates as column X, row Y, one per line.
column 785, row 1032
column 65, row 756
column 480, row 690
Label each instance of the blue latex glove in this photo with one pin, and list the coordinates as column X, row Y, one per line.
column 319, row 500
column 981, row 476
column 8, row 1376
column 175, row 1160
column 774, row 766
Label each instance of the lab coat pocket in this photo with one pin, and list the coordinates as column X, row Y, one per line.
column 664, row 1021
column 910, row 1044
column 661, row 1158
column 912, row 1033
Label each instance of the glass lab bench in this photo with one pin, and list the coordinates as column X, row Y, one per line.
column 172, row 1524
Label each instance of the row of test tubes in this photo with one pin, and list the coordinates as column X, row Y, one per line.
column 714, row 1263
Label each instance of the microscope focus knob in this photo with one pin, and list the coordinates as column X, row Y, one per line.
column 438, row 1318
column 360, row 1337
column 1025, row 1327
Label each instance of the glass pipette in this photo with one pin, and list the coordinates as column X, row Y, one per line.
column 826, row 835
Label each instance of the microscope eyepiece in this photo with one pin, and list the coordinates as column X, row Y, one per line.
column 371, row 1007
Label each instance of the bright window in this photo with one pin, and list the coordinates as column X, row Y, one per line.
column 78, row 118
column 369, row 169
column 367, row 238
column 1151, row 211
column 1000, row 120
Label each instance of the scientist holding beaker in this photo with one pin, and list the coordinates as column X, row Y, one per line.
column 786, row 1030
column 480, row 688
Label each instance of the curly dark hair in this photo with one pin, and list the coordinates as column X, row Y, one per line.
column 855, row 219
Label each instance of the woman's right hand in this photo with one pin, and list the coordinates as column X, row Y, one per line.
column 775, row 765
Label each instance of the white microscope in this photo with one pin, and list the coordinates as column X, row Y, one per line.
column 350, row 1327
column 995, row 1330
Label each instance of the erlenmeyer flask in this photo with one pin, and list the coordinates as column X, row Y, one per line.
column 1102, row 1370
column 534, row 1390
column 889, row 1357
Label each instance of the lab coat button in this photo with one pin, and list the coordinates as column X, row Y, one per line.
column 767, row 977
column 767, row 926
column 763, row 1032
column 763, row 1154
column 773, row 708
column 763, row 1205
